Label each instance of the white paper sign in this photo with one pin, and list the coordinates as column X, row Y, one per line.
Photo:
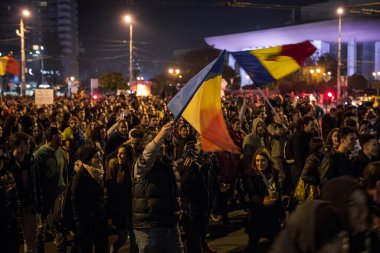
column 44, row 96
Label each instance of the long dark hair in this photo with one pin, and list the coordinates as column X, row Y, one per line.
column 124, row 169
column 265, row 153
column 328, row 142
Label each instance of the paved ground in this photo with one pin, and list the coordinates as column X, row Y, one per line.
column 231, row 239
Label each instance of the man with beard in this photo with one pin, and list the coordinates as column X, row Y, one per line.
column 339, row 162
column 74, row 139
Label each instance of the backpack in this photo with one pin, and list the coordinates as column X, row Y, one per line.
column 62, row 216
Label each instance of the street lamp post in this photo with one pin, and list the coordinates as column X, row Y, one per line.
column 42, row 65
column 339, row 12
column 375, row 76
column 128, row 19
column 70, row 82
column 21, row 33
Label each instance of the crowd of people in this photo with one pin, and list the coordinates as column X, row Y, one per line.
column 308, row 179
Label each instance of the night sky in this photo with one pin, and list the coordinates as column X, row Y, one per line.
column 161, row 27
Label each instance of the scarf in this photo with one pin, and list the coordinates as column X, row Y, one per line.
column 96, row 173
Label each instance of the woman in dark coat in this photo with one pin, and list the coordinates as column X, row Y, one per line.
column 119, row 189
column 310, row 172
column 88, row 202
column 263, row 198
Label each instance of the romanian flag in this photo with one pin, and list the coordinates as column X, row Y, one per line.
column 199, row 102
column 8, row 65
column 270, row 64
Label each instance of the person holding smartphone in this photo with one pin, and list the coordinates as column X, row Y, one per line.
column 262, row 195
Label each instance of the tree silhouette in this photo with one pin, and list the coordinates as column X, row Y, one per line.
column 113, row 81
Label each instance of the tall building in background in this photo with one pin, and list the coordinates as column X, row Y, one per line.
column 51, row 38
column 67, row 26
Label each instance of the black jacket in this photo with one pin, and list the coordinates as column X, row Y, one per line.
column 336, row 164
column 155, row 197
column 9, row 201
column 262, row 220
column 194, row 191
column 27, row 178
column 88, row 201
column 362, row 162
column 300, row 144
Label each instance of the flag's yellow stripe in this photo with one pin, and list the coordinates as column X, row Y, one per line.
column 3, row 65
column 275, row 63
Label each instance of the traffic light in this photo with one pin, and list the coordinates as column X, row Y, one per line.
column 329, row 96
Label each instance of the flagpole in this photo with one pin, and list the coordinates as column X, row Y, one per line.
column 267, row 100
column 1, row 90
column 270, row 105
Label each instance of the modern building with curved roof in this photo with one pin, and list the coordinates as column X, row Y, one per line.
column 360, row 40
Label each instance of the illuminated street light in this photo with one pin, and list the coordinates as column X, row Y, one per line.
column 26, row 13
column 171, row 71
column 318, row 70
column 177, row 71
column 128, row 20
column 311, row 71
column 69, row 84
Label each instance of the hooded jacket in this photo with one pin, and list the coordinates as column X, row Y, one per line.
column 253, row 142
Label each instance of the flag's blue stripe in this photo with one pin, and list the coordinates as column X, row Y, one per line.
column 258, row 73
column 180, row 101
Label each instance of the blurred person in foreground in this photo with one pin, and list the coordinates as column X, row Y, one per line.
column 314, row 227
column 353, row 205
column 371, row 178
